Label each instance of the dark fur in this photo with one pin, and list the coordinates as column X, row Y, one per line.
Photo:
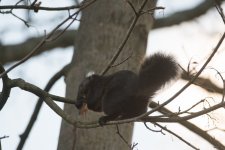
column 125, row 94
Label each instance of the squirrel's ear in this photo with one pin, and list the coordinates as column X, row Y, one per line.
column 90, row 73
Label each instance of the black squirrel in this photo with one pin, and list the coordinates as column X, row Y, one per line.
column 124, row 94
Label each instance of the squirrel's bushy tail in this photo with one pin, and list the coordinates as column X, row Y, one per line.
column 155, row 72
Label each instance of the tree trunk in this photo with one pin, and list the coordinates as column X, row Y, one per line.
column 102, row 28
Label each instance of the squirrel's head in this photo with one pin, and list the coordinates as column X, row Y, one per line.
column 85, row 97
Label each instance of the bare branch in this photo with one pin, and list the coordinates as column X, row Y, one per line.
column 3, row 137
column 215, row 128
column 153, row 129
column 32, row 7
column 176, row 135
column 48, row 98
column 126, row 59
column 24, row 21
column 4, row 95
column 132, row 6
column 34, row 2
column 185, row 15
column 10, row 53
column 51, row 82
column 220, row 10
column 124, row 140
column 204, row 83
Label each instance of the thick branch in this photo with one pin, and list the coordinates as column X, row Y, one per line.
column 16, row 52
column 25, row 7
column 185, row 15
column 206, row 84
column 48, row 98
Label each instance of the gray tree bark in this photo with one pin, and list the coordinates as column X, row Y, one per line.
column 103, row 26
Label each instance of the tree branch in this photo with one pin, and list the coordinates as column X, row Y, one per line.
column 204, row 83
column 51, row 82
column 16, row 52
column 33, row 7
column 176, row 135
column 186, row 15
column 3, row 137
column 48, row 98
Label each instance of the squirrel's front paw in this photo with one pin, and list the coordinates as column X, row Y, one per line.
column 102, row 120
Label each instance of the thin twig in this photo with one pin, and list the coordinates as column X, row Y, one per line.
column 223, row 94
column 63, row 31
column 220, row 10
column 126, row 59
column 124, row 140
column 215, row 128
column 176, row 135
column 4, row 95
column 193, row 106
column 24, row 21
column 132, row 6
column 3, row 137
column 152, row 129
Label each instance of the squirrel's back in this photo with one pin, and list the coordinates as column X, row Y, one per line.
column 156, row 71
